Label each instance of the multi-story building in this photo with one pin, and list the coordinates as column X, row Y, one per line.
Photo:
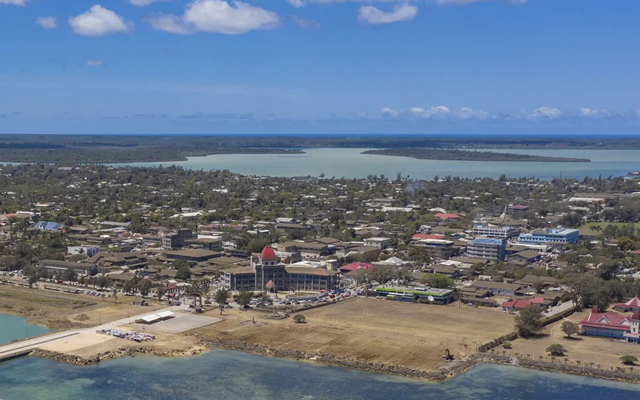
column 269, row 274
column 177, row 239
column 488, row 249
column 495, row 232
column 550, row 236
column 379, row 242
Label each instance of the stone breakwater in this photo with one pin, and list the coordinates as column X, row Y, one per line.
column 110, row 355
column 441, row 374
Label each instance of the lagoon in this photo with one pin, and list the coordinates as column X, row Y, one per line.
column 350, row 163
column 230, row 375
column 14, row 328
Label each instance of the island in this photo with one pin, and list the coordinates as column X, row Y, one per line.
column 422, row 153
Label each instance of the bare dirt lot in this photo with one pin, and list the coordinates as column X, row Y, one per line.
column 587, row 349
column 412, row 335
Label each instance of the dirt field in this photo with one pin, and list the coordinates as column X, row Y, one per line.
column 412, row 335
column 61, row 311
column 587, row 349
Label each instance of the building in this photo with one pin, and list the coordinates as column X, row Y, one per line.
column 498, row 288
column 58, row 267
column 48, row 226
column 210, row 244
column 495, row 232
column 192, row 255
column 631, row 305
column 449, row 217
column 320, row 249
column 177, row 239
column 438, row 247
column 424, row 294
column 518, row 208
column 378, row 242
column 612, row 325
column 269, row 274
column 550, row 236
column 89, row 251
column 488, row 249
column 120, row 260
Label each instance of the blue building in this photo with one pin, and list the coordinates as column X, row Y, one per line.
column 48, row 226
column 489, row 249
column 550, row 236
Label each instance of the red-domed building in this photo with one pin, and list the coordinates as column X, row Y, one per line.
column 267, row 273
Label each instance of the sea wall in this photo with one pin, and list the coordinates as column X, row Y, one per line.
column 110, row 355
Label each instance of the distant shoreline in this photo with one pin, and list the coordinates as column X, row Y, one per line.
column 468, row 155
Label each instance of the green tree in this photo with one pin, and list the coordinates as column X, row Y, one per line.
column 144, row 286
column 244, row 298
column 221, row 297
column 628, row 360
column 69, row 275
column 556, row 350
column 103, row 281
column 569, row 328
column 439, row 281
column 183, row 270
column 529, row 321
column 626, row 243
column 299, row 319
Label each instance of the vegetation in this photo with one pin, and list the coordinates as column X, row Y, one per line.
column 628, row 360
column 466, row 155
column 556, row 350
column 244, row 298
column 569, row 328
column 299, row 319
column 437, row 281
column 507, row 345
column 529, row 321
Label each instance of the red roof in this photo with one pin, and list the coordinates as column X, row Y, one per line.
column 538, row 300
column 635, row 252
column 608, row 320
column 419, row 236
column 356, row 265
column 519, row 304
column 447, row 216
column 629, row 305
column 268, row 254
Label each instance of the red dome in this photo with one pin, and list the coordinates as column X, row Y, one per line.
column 268, row 254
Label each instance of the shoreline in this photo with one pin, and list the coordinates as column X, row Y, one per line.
column 439, row 375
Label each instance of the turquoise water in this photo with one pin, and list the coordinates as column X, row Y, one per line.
column 223, row 375
column 351, row 164
column 13, row 328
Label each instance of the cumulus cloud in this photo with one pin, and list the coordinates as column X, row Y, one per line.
column 305, row 23
column 470, row 113
column 546, row 112
column 94, row 63
column 433, row 112
column 142, row 3
column 216, row 16
column 296, row 3
column 375, row 16
column 47, row 22
column 15, row 2
column 98, row 21
column 389, row 112
column 594, row 113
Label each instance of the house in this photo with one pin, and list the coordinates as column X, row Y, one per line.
column 631, row 305
column 355, row 266
column 378, row 242
column 610, row 324
column 498, row 288
column 447, row 217
column 47, row 226
column 518, row 208
column 525, row 257
column 448, row 270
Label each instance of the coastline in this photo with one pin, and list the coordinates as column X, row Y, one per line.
column 438, row 375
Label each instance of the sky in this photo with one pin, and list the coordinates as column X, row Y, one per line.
column 320, row 66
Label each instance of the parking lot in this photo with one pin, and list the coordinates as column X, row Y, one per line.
column 181, row 322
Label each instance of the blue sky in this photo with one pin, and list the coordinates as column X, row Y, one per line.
column 320, row 66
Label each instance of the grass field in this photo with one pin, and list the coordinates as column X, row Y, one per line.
column 602, row 224
column 412, row 335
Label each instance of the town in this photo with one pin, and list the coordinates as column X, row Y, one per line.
column 510, row 266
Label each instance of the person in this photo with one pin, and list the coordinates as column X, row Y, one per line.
column 253, row 319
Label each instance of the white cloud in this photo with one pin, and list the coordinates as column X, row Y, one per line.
column 546, row 112
column 373, row 15
column 296, row 3
column 594, row 113
column 15, row 2
column 47, row 22
column 433, row 112
column 98, row 21
column 216, row 16
column 469, row 113
column 142, row 3
column 389, row 111
column 305, row 23
column 94, row 63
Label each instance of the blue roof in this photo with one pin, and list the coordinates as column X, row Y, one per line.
column 487, row 241
column 48, row 226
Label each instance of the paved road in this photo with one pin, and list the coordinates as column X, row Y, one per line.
column 559, row 309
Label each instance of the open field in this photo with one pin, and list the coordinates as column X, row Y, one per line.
column 603, row 225
column 412, row 335
column 587, row 349
column 61, row 311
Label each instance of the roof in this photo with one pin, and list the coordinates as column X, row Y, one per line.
column 447, row 216
column 268, row 254
column 355, row 265
column 419, row 236
column 633, row 303
column 496, row 285
column 518, row 304
column 498, row 242
column 239, row 270
column 310, row 271
column 192, row 253
column 527, row 254
column 608, row 320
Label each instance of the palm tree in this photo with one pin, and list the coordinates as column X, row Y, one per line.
column 196, row 290
column 222, row 295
